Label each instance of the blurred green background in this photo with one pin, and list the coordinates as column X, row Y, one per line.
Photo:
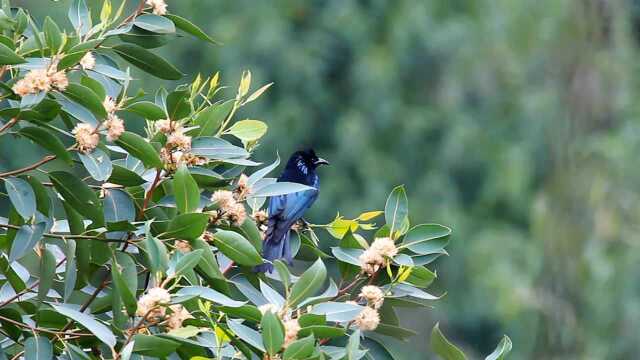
column 514, row 122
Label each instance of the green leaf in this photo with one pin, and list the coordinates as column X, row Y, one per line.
column 138, row 147
column 26, row 239
column 247, row 334
column 281, row 188
column 120, row 264
column 9, row 57
column 155, row 346
column 272, row 332
column 208, row 264
column 71, row 270
column 395, row 331
column 300, row 349
column 188, row 27
column 38, row 348
column 210, row 119
column 178, row 106
column 248, row 130
column 99, row 330
column 186, row 191
column 12, row 277
column 283, row 273
column 97, row 163
column 147, row 61
column 420, row 276
column 52, row 35
column 43, row 201
column 87, row 98
column 70, row 60
column 47, row 272
column 501, row 351
column 155, row 23
column 337, row 311
column 22, row 196
column 48, row 141
column 322, row 331
column 209, row 294
column 187, row 226
column 349, row 256
column 156, row 253
column 80, row 17
column 309, row 283
column 118, row 206
column 78, row 195
column 147, row 110
column 396, row 210
column 353, row 346
column 125, row 177
column 441, row 346
column 188, row 261
column 427, row 239
column 237, row 248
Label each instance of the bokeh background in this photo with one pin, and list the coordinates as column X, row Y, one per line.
column 514, row 122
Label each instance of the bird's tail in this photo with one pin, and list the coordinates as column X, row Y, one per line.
column 275, row 246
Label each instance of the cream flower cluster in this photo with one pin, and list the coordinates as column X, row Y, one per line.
column 377, row 255
column 243, row 189
column 38, row 80
column 228, row 208
column 368, row 319
column 87, row 137
column 177, row 150
column 373, row 295
column 177, row 316
column 159, row 7
column 88, row 61
column 153, row 303
column 113, row 124
column 291, row 329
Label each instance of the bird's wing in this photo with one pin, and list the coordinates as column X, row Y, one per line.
column 284, row 210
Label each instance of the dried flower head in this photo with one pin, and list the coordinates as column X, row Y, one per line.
column 183, row 246
column 385, row 247
column 207, row 236
column 224, row 198
column 153, row 303
column 291, row 329
column 368, row 319
column 86, row 137
column 88, row 61
column 236, row 214
column 373, row 295
column 178, row 140
column 114, row 126
column 260, row 217
column 59, row 80
column 166, row 126
column 243, row 189
column 177, row 316
column 371, row 261
column 110, row 105
column 159, row 7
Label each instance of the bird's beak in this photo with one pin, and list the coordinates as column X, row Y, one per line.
column 321, row 161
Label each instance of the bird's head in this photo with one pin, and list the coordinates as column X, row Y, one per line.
column 306, row 159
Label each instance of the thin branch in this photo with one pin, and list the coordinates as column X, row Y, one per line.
column 33, row 286
column 147, row 198
column 43, row 161
column 9, row 124
column 38, row 329
column 69, row 237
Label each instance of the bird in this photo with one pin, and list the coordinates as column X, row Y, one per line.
column 286, row 210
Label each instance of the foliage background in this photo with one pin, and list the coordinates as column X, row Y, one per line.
column 512, row 121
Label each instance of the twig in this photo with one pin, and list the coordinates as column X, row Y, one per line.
column 35, row 284
column 43, row 161
column 69, row 237
column 38, row 329
column 147, row 198
column 10, row 123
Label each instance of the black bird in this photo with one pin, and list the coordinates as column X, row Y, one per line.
column 285, row 210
